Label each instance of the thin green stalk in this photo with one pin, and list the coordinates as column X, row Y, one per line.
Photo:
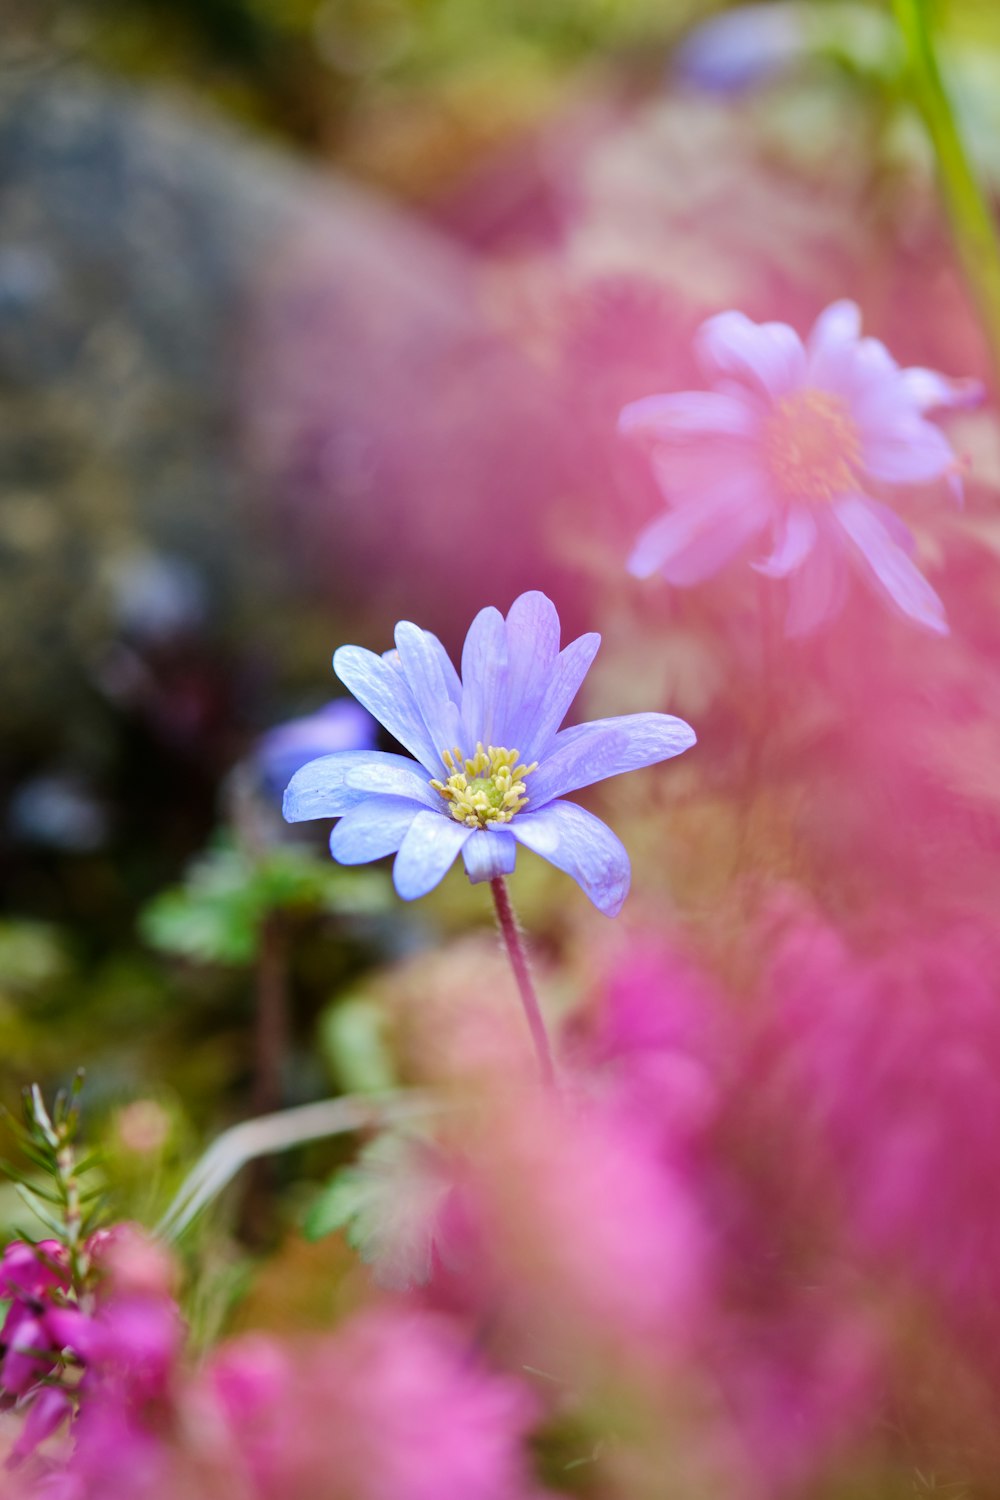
column 971, row 218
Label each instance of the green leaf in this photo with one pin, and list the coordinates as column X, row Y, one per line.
column 352, row 1039
column 41, row 1213
column 389, row 1204
column 337, row 1204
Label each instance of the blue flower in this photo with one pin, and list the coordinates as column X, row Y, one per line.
column 339, row 725
column 490, row 766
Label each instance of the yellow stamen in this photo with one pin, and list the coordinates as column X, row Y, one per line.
column 486, row 788
column 812, row 446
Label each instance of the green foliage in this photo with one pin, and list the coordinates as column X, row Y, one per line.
column 341, row 1205
column 31, row 956
column 388, row 1204
column 61, row 1193
column 353, row 1041
column 217, row 914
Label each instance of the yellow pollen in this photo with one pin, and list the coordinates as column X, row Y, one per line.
column 486, row 788
column 812, row 446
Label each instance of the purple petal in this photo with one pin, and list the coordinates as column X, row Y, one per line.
column 816, row 590
column 372, row 830
column 383, row 690
column 930, row 391
column 489, row 853
column 575, row 841
column 28, row 1357
column 768, row 356
column 742, row 46
column 694, row 540
column 571, row 667
column 907, row 452
column 689, row 414
column 452, row 681
column 420, row 658
column 889, row 565
column 484, row 680
column 68, row 1328
column 330, row 786
column 341, row 725
column 47, row 1412
column 794, row 540
column 894, row 525
column 532, row 648
column 606, row 747
column 427, row 853
column 832, row 344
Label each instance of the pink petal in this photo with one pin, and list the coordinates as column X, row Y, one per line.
column 689, row 414
column 795, row 538
column 889, row 566
column 768, row 356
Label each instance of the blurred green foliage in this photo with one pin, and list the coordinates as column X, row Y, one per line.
column 216, row 916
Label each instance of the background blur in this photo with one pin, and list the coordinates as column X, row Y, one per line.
column 318, row 314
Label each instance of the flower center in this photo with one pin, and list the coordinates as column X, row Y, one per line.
column 489, row 790
column 812, row 446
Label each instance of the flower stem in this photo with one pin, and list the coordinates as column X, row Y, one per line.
column 971, row 218
column 511, row 933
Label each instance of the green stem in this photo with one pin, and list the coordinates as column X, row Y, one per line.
column 971, row 218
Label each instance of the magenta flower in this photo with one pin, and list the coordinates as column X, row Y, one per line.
column 396, row 1405
column 797, row 443
column 34, row 1278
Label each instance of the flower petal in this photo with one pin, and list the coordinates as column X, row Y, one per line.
column 532, row 648
column 384, row 691
column 427, row 853
column 831, row 347
column 489, row 853
column 333, row 784
column 420, row 658
column 794, row 540
column 907, row 452
column 373, row 829
column 571, row 667
column 816, row 590
column 694, row 540
column 931, row 391
column 689, row 414
column 484, row 680
column 48, row 1410
column 889, row 565
column 606, row 747
column 575, row 841
column 768, row 356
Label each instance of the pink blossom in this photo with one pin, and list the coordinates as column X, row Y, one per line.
column 31, row 1276
column 797, row 443
column 890, row 1066
column 394, row 1406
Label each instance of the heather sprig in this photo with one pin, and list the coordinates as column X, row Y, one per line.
column 65, row 1198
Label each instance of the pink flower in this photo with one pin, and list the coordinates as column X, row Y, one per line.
column 898, row 1060
column 394, row 1406
column 797, row 442
column 31, row 1275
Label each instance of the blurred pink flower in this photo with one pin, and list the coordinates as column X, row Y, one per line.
column 394, row 1406
column 890, row 1066
column 797, row 442
column 583, row 1231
